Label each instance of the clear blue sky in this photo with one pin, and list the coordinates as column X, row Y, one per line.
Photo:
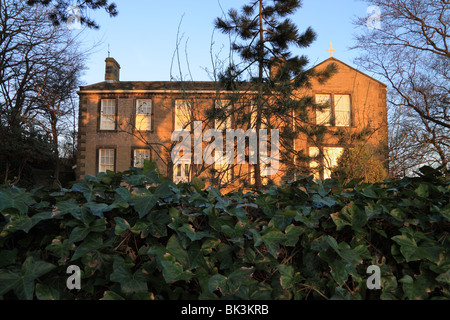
column 142, row 38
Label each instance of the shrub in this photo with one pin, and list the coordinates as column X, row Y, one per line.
column 135, row 235
column 360, row 162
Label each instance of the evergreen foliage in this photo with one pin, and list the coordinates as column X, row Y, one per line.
column 137, row 236
column 265, row 38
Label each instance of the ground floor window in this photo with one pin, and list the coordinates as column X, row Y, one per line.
column 139, row 155
column 331, row 156
column 181, row 171
column 106, row 159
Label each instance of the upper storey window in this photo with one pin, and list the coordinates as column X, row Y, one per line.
column 108, row 114
column 334, row 106
column 143, row 114
column 182, row 115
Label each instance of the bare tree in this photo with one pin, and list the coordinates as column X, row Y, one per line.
column 411, row 51
column 40, row 65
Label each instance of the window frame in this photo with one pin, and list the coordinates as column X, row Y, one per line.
column 100, row 115
column 188, row 106
column 133, row 155
column 99, row 157
column 185, row 177
column 323, row 163
column 150, row 115
column 332, row 108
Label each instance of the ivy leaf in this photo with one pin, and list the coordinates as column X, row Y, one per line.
column 111, row 295
column 98, row 209
column 15, row 198
column 122, row 225
column 158, row 223
column 64, row 207
column 423, row 190
column 198, row 183
column 359, row 219
column 86, row 189
column 217, row 282
column 172, row 269
column 129, row 282
column 418, row 288
column 21, row 281
column 44, row 292
column 193, row 235
column 91, row 243
column 292, row 235
column 412, row 252
column 286, row 276
column 272, row 240
column 444, row 278
column 144, row 204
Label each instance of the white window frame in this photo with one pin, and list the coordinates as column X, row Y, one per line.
column 331, row 156
column 323, row 117
column 108, row 114
column 181, row 171
column 342, row 110
column 139, row 155
column 182, row 115
column 106, row 159
column 143, row 118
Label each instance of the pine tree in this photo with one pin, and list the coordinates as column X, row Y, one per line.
column 265, row 36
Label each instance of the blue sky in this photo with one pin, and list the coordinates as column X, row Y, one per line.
column 143, row 37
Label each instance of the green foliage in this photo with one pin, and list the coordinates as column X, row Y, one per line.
column 137, row 236
column 360, row 162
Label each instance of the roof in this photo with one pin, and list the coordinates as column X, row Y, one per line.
column 339, row 61
column 153, row 86
column 177, row 86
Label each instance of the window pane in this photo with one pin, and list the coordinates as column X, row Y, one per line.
column 331, row 157
column 323, row 117
column 342, row 110
column 182, row 115
column 106, row 160
column 181, row 171
column 313, row 164
column 143, row 114
column 107, row 115
column 139, row 156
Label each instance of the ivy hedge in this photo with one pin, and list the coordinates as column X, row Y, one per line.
column 135, row 235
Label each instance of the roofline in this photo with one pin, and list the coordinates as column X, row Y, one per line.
column 334, row 59
column 183, row 87
column 161, row 91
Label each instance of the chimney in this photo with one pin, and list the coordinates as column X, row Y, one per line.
column 112, row 70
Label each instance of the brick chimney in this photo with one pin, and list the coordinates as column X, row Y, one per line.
column 112, row 70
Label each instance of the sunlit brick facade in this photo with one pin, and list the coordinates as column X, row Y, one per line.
column 121, row 123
